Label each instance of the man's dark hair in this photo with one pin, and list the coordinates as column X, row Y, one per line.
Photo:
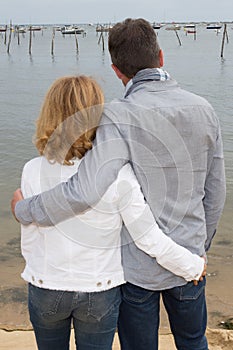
column 133, row 46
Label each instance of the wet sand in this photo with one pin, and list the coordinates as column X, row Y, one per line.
column 13, row 290
column 15, row 327
column 24, row 340
column 13, row 293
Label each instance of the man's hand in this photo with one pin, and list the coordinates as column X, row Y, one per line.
column 195, row 282
column 17, row 196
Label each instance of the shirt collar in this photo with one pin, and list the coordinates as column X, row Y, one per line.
column 128, row 85
column 157, row 74
column 144, row 75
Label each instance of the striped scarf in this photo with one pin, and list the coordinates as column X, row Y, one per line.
column 148, row 74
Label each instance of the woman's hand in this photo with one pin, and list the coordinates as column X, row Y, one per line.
column 195, row 282
column 17, row 196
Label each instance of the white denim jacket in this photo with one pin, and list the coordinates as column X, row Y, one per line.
column 84, row 253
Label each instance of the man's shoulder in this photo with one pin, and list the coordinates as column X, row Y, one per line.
column 195, row 98
column 115, row 104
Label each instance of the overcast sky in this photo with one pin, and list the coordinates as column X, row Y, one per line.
column 94, row 11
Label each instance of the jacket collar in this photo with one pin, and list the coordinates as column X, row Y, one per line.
column 146, row 75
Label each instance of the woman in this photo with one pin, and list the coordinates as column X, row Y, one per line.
column 74, row 268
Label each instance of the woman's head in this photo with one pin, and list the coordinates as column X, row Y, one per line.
column 67, row 122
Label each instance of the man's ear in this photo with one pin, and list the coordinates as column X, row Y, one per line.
column 161, row 60
column 120, row 75
column 117, row 71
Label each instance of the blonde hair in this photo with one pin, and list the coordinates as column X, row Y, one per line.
column 67, row 122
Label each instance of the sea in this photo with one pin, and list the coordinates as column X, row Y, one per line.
column 24, row 80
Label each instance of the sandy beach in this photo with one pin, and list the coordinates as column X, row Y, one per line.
column 20, row 108
column 22, row 337
column 15, row 327
column 24, row 340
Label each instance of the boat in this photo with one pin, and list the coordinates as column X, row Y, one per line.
column 3, row 29
column 103, row 28
column 72, row 30
column 57, row 28
column 173, row 27
column 156, row 25
column 21, row 30
column 214, row 26
column 189, row 26
column 34, row 28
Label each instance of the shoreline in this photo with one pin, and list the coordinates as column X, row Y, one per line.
column 25, row 340
column 15, row 327
column 219, row 291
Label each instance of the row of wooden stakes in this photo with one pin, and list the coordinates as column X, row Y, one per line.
column 31, row 33
column 101, row 39
column 225, row 36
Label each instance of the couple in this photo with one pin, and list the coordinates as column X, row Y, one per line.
column 159, row 136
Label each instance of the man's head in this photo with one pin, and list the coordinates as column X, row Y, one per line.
column 133, row 46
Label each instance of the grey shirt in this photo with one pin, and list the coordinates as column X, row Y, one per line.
column 172, row 139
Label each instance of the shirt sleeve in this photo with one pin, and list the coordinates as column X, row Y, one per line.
column 98, row 169
column 215, row 191
column 147, row 235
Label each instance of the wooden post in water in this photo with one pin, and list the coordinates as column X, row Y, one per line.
column 195, row 33
column 102, row 41
column 5, row 35
column 52, row 44
column 30, row 40
column 101, row 38
column 18, row 35
column 227, row 35
column 177, row 36
column 223, row 39
column 76, row 41
column 9, row 41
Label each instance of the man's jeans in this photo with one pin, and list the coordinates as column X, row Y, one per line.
column 94, row 317
column 139, row 317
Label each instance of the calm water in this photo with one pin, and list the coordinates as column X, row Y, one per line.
column 24, row 80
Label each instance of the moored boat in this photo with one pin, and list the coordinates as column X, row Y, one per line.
column 214, row 26
column 34, row 28
column 189, row 26
column 21, row 30
column 72, row 30
column 156, row 25
column 103, row 28
column 173, row 27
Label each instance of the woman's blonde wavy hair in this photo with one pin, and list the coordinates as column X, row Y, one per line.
column 69, row 118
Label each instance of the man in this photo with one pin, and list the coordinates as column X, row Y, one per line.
column 172, row 139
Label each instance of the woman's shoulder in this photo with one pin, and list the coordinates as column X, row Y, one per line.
column 40, row 175
column 32, row 164
column 42, row 161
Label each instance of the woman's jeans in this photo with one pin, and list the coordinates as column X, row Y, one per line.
column 94, row 317
column 139, row 317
